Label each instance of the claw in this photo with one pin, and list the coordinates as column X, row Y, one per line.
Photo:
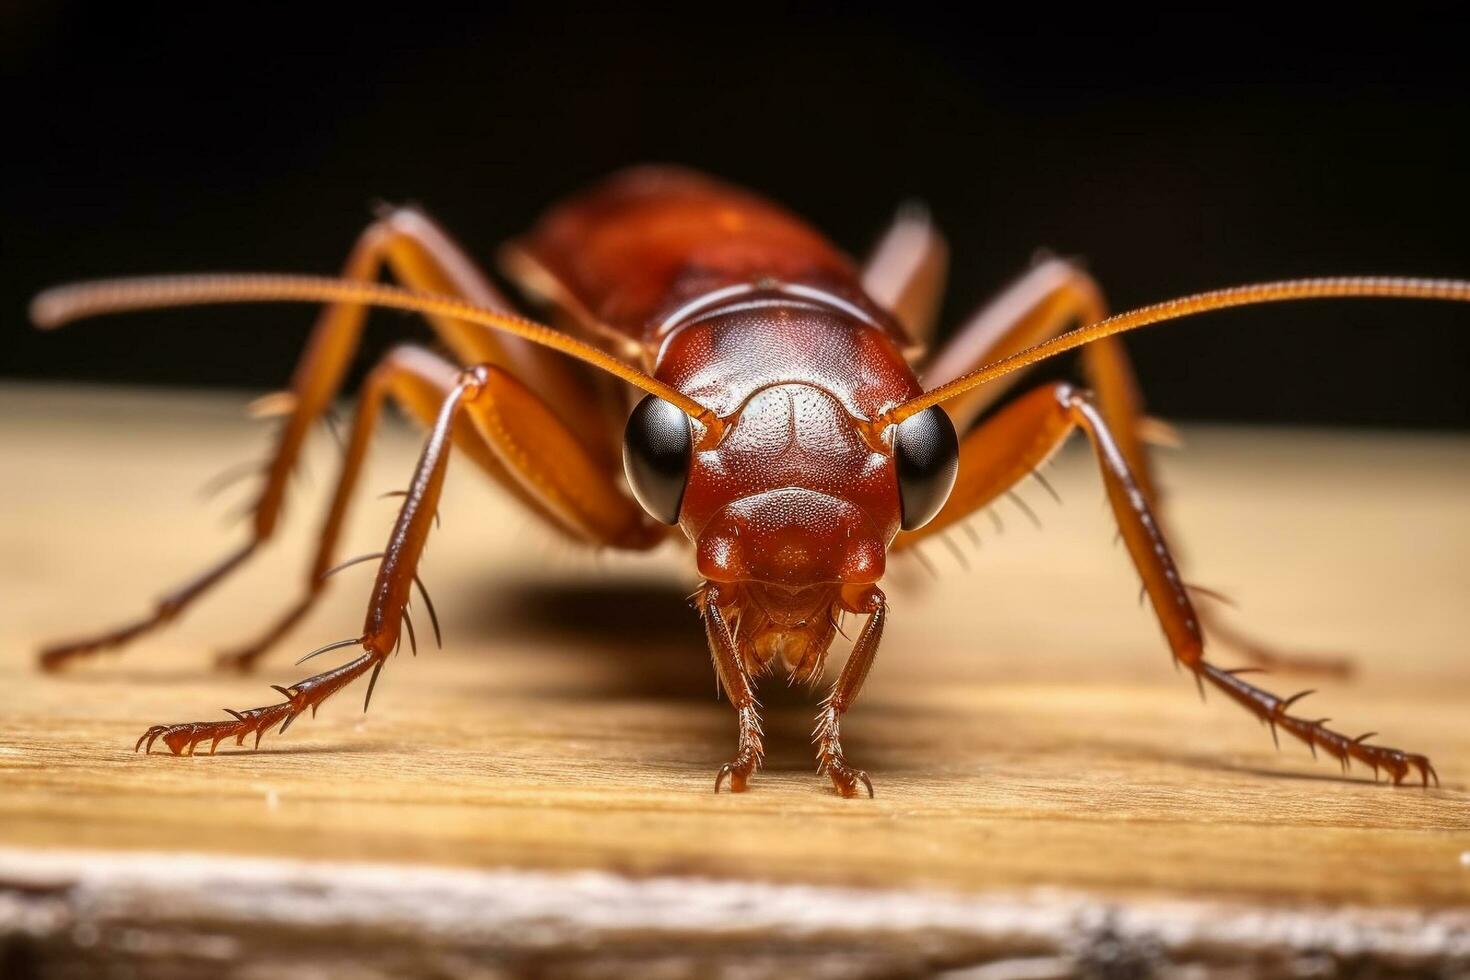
column 1422, row 764
column 1272, row 711
column 739, row 774
column 151, row 734
column 845, row 779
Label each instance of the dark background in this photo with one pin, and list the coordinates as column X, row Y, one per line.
column 1173, row 151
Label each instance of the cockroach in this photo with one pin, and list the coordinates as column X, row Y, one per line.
column 790, row 426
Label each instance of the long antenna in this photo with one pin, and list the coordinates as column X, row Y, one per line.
column 1340, row 287
column 63, row 304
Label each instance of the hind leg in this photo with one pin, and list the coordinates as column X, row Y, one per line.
column 416, row 380
column 905, row 274
column 421, row 255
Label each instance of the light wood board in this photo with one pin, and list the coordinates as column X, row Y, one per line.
column 1023, row 725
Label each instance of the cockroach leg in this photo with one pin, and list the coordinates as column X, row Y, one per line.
column 488, row 416
column 1314, row 733
column 1144, row 537
column 58, row 655
column 513, row 435
column 415, row 379
column 1039, row 304
column 750, row 749
column 423, row 256
column 830, row 760
column 1052, row 295
column 1004, row 448
column 397, row 573
column 1120, row 404
column 748, row 755
column 827, row 735
column 183, row 739
column 907, row 270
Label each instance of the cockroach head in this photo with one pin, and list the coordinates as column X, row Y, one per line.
column 793, row 494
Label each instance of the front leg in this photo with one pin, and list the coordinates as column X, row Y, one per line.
column 828, row 732
column 750, row 750
column 1022, row 435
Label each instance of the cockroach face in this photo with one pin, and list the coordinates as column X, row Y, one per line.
column 799, row 493
column 791, row 507
column 800, row 490
column 792, row 496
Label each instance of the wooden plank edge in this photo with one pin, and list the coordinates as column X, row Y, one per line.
column 70, row 912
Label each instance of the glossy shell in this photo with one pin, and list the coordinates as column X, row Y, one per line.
column 735, row 302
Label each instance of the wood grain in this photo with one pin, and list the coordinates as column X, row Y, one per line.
column 1023, row 726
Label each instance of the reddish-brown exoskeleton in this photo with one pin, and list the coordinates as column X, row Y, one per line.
column 783, row 429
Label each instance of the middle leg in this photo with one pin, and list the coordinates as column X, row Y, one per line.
column 497, row 422
column 382, row 630
column 586, row 507
column 423, row 256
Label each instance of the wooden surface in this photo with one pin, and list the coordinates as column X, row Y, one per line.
column 1023, row 726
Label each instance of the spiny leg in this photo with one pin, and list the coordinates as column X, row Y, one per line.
column 1144, row 537
column 385, row 616
column 418, row 381
column 494, row 420
column 1051, row 296
column 1271, row 709
column 1016, row 439
column 750, row 750
column 514, row 436
column 827, row 735
column 424, row 256
column 906, row 271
